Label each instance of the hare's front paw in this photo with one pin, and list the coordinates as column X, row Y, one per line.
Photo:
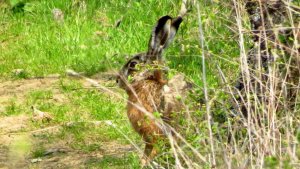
column 144, row 162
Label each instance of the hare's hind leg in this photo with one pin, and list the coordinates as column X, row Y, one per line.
column 146, row 156
column 149, row 153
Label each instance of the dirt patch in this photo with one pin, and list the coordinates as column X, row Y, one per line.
column 12, row 124
column 64, row 157
column 19, row 139
column 17, row 89
column 15, row 144
column 15, row 139
column 3, row 156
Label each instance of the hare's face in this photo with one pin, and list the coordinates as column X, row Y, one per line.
column 129, row 69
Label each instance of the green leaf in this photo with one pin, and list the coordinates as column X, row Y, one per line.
column 271, row 162
column 157, row 114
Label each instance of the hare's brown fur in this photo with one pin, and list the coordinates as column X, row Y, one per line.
column 145, row 95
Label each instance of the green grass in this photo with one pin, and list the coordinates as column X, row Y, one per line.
column 13, row 108
column 38, row 152
column 129, row 161
column 36, row 42
column 88, row 42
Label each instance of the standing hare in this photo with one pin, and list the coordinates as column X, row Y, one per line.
column 146, row 86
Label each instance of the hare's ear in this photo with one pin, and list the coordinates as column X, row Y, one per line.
column 163, row 34
column 174, row 28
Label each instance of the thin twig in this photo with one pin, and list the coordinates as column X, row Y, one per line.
column 201, row 37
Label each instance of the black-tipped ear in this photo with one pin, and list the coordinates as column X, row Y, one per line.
column 160, row 34
column 176, row 22
column 174, row 28
column 163, row 34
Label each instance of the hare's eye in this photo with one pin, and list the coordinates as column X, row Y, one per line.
column 132, row 64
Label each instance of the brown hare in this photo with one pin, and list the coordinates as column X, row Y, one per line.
column 146, row 86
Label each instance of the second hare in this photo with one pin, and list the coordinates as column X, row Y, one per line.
column 146, row 86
